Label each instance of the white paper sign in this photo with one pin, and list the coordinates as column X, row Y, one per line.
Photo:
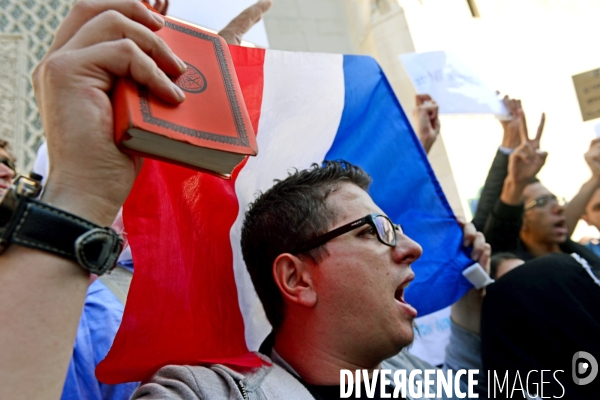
column 455, row 88
column 597, row 130
column 433, row 337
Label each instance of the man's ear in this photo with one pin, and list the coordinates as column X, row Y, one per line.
column 294, row 278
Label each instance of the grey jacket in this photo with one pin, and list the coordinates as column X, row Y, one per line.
column 219, row 382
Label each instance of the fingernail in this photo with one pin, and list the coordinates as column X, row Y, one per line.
column 182, row 65
column 158, row 18
column 178, row 92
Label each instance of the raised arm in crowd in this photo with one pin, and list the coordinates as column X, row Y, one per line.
column 516, row 212
column 42, row 294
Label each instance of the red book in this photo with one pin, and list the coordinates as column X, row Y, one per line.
column 211, row 130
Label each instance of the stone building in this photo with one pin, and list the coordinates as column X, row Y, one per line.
column 26, row 31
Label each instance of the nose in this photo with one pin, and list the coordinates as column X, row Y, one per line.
column 406, row 250
column 558, row 208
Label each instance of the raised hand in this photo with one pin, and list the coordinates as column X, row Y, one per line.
column 576, row 208
column 513, row 128
column 237, row 28
column 592, row 158
column 527, row 159
column 466, row 312
column 41, row 295
column 161, row 6
column 510, row 127
column 97, row 41
column 428, row 122
column 524, row 162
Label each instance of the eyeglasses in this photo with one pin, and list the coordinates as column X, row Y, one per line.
column 9, row 163
column 541, row 201
column 384, row 227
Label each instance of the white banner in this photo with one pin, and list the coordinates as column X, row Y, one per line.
column 455, row 88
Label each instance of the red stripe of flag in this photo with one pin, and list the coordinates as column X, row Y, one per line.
column 183, row 305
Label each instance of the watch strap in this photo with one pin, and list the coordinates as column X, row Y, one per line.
column 41, row 226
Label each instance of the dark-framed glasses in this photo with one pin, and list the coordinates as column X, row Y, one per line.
column 542, row 201
column 386, row 232
column 9, row 163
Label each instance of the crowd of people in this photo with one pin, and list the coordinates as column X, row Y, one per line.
column 541, row 310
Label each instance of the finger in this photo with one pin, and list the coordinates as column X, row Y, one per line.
column 516, row 106
column 524, row 158
column 423, row 98
column 430, row 108
column 478, row 246
column 235, row 30
column 542, row 156
column 523, row 135
column 540, row 128
column 434, row 107
column 530, row 151
column 165, row 8
column 158, row 5
column 524, row 118
column 507, row 103
column 469, row 234
column 112, row 25
column 484, row 259
column 525, row 152
column 124, row 58
column 462, row 221
column 84, row 10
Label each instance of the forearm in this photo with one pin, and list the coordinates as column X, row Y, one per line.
column 464, row 352
column 491, row 190
column 41, row 297
column 512, row 192
column 466, row 312
column 576, row 207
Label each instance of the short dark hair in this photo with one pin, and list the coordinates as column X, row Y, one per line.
column 498, row 259
column 530, row 181
column 293, row 211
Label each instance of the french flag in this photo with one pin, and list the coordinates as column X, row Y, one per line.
column 191, row 300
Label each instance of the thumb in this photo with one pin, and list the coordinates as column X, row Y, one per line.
column 240, row 25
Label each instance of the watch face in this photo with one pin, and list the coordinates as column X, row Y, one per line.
column 98, row 249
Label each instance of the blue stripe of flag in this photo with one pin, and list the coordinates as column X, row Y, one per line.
column 375, row 134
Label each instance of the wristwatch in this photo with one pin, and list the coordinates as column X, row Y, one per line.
column 31, row 223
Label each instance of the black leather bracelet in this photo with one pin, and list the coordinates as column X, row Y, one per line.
column 40, row 226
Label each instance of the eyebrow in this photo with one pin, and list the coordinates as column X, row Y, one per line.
column 596, row 207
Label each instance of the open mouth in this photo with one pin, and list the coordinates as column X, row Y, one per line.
column 561, row 226
column 399, row 296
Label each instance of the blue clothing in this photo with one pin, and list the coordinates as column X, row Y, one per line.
column 100, row 320
column 594, row 246
column 127, row 264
